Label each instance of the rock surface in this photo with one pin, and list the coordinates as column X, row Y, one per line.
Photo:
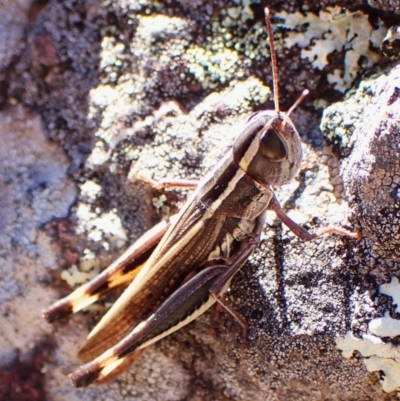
column 92, row 92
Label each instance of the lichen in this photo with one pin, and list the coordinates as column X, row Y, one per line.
column 379, row 355
column 371, row 177
column 334, row 31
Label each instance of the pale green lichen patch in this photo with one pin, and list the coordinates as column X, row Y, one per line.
column 151, row 28
column 240, row 12
column 111, row 51
column 212, row 67
column 334, row 31
column 226, row 55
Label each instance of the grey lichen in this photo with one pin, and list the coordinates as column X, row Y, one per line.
column 335, row 30
column 34, row 189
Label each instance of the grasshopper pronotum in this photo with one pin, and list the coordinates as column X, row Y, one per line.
column 180, row 268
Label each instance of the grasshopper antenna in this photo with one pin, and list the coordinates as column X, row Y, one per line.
column 275, row 78
column 297, row 102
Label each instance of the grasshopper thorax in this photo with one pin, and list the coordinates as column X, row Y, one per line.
column 269, row 148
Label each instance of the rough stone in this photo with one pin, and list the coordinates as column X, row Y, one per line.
column 95, row 91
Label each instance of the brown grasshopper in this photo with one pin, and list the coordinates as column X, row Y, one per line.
column 180, row 268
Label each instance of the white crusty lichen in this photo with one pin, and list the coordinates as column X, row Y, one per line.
column 89, row 267
column 334, row 31
column 105, row 228
column 379, row 355
column 376, row 355
column 393, row 290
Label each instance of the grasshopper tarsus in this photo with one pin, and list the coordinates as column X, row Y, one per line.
column 337, row 230
column 227, row 305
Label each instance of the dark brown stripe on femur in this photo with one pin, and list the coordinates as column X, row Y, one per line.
column 138, row 261
column 100, row 287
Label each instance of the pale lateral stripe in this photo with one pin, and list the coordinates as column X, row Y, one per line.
column 150, row 262
column 250, row 153
column 203, row 308
column 229, row 189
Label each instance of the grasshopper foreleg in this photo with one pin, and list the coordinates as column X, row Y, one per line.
column 301, row 232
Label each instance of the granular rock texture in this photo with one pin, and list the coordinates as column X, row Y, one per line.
column 371, row 172
column 95, row 91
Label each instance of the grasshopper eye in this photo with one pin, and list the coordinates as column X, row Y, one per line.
column 272, row 147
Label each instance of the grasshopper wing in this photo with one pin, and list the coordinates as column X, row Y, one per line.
column 184, row 247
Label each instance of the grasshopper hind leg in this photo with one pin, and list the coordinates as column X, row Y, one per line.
column 93, row 377
column 183, row 306
column 188, row 302
column 120, row 273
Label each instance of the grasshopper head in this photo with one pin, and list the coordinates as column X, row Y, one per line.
column 269, row 148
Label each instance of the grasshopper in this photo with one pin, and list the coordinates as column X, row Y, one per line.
column 181, row 267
